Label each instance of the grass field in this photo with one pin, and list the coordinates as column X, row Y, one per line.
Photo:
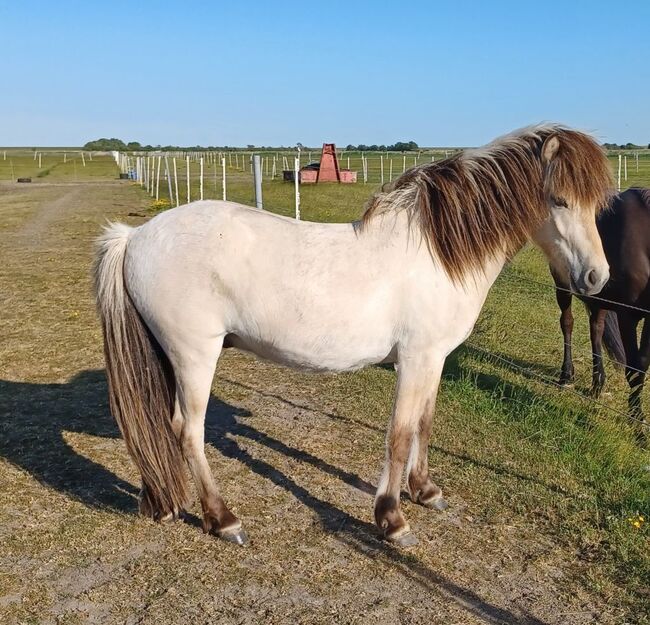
column 544, row 486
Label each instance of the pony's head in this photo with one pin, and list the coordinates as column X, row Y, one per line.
column 577, row 184
column 544, row 183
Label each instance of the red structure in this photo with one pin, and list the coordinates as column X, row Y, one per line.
column 329, row 166
column 328, row 170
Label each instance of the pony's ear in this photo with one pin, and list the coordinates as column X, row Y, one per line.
column 550, row 148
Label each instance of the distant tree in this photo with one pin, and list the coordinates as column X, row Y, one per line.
column 105, row 144
column 133, row 146
column 622, row 146
column 400, row 146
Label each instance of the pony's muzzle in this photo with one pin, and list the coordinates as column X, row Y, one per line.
column 591, row 281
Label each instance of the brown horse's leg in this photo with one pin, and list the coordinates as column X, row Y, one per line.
column 417, row 382
column 194, row 380
column 596, row 328
column 633, row 370
column 643, row 428
column 644, row 362
column 566, row 324
column 421, row 488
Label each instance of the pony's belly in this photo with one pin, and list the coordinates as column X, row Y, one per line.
column 317, row 356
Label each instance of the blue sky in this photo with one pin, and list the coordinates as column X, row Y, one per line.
column 271, row 73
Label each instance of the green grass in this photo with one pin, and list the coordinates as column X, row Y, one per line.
column 512, row 414
column 15, row 163
column 523, row 452
column 322, row 202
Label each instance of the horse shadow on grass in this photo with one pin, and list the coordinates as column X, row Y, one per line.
column 34, row 419
column 454, row 370
column 347, row 529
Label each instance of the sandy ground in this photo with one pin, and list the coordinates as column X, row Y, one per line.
column 294, row 461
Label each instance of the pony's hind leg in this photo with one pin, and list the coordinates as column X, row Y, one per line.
column 636, row 359
column 642, row 424
column 193, row 381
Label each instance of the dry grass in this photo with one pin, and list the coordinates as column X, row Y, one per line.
column 297, row 457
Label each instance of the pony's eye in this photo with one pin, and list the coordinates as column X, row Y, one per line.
column 558, row 201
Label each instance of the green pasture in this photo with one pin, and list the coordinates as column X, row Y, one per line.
column 502, row 379
column 586, row 478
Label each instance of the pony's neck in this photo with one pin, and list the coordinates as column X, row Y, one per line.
column 397, row 228
column 472, row 207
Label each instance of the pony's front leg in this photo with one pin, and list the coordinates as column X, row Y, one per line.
column 421, row 488
column 417, row 385
column 596, row 329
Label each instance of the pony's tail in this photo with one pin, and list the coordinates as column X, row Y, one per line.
column 612, row 339
column 141, row 383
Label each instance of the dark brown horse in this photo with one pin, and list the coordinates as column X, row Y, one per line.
column 624, row 302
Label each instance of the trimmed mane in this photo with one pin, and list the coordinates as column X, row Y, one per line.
column 477, row 204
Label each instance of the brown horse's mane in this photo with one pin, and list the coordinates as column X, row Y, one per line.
column 481, row 202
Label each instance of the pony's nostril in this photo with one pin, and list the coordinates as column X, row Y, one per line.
column 591, row 279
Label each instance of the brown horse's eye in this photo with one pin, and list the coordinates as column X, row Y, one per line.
column 558, row 201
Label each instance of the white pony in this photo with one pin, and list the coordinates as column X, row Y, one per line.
column 404, row 285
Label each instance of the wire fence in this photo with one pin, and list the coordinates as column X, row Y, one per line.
column 207, row 174
column 510, row 274
column 513, row 278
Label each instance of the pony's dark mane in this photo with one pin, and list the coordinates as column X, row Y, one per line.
column 480, row 203
column 642, row 194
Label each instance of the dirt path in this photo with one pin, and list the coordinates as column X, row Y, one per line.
column 291, row 452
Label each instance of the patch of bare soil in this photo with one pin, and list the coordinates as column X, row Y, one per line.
column 296, row 467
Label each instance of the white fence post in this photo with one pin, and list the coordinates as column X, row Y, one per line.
column 257, row 179
column 296, row 167
column 188, row 178
column 201, row 178
column 175, row 180
column 223, row 177
column 158, row 179
column 168, row 173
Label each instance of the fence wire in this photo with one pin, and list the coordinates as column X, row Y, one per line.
column 529, row 372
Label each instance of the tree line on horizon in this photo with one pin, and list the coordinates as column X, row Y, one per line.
column 105, row 144
column 400, row 146
column 625, row 146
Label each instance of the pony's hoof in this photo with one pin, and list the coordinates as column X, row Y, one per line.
column 595, row 392
column 408, row 539
column 237, row 537
column 566, row 383
column 435, row 503
column 170, row 517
